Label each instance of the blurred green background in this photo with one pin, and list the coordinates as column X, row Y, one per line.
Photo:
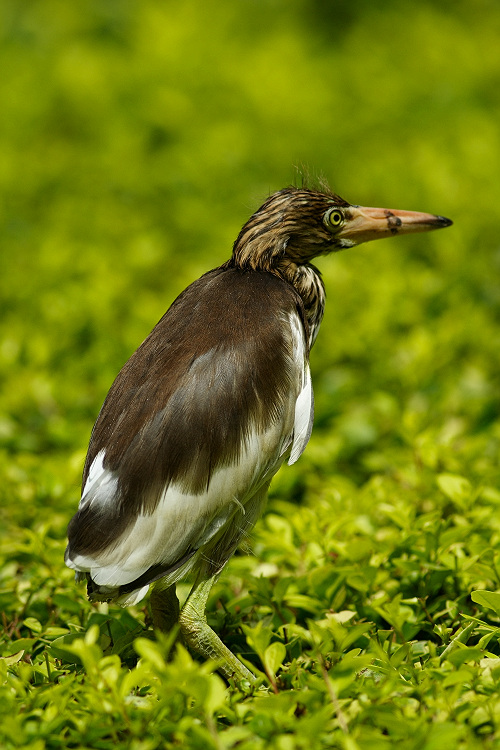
column 136, row 137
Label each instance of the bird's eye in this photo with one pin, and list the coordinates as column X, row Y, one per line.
column 333, row 218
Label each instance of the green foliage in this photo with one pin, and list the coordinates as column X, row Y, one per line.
column 136, row 138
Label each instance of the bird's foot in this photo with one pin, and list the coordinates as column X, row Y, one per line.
column 198, row 635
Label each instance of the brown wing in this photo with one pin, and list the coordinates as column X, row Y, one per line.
column 217, row 366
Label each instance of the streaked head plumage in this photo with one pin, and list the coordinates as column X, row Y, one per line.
column 291, row 224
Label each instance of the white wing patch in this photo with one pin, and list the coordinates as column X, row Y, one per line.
column 101, row 484
column 181, row 520
column 304, row 415
column 304, row 406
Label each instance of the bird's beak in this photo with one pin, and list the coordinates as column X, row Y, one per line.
column 364, row 224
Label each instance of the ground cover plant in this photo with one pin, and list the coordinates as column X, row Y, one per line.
column 135, row 140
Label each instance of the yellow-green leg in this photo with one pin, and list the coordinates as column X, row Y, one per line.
column 195, row 632
column 198, row 635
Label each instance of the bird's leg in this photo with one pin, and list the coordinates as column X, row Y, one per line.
column 195, row 630
column 198, row 634
column 164, row 607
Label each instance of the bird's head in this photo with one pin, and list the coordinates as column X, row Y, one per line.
column 296, row 225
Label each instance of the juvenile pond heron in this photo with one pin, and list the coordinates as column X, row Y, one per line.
column 204, row 413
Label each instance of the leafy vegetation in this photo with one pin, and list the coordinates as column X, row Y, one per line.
column 136, row 138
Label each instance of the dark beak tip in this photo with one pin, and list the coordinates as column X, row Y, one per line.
column 442, row 221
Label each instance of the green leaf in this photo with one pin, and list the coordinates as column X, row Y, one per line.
column 216, row 697
column 258, row 637
column 150, row 650
column 13, row 659
column 33, row 624
column 302, row 601
column 61, row 648
column 465, row 654
column 488, row 599
column 455, row 487
column 274, row 656
column 21, row 644
column 54, row 632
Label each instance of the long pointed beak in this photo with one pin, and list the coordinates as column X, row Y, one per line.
column 364, row 224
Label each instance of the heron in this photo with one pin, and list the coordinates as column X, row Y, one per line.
column 208, row 408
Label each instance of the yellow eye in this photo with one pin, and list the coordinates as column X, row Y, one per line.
column 333, row 218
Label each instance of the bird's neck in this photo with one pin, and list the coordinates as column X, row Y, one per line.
column 257, row 254
column 307, row 281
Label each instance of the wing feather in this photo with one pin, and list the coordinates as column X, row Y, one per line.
column 304, row 406
column 193, row 428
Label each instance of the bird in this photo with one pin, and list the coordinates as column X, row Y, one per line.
column 208, row 408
